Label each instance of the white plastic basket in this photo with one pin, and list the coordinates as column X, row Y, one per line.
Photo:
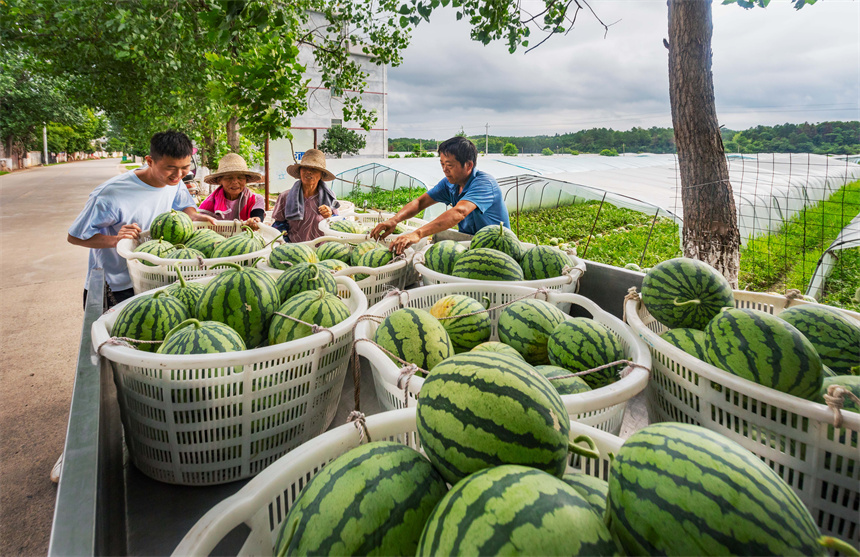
column 793, row 436
column 145, row 277
column 264, row 502
column 215, row 418
column 602, row 408
column 371, row 218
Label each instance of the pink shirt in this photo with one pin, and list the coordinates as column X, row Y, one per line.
column 307, row 229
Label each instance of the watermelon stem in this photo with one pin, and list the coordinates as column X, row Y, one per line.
column 179, row 274
column 185, row 323
column 675, row 301
column 836, row 544
column 591, row 452
column 234, row 265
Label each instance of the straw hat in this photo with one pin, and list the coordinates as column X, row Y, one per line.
column 233, row 164
column 313, row 158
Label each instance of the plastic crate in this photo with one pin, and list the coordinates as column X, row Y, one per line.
column 602, row 408
column 371, row 218
column 795, row 437
column 216, row 418
column 145, row 277
column 263, row 504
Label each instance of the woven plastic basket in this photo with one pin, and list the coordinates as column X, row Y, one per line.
column 795, row 437
column 145, row 277
column 263, row 504
column 372, row 218
column 215, row 418
column 602, row 408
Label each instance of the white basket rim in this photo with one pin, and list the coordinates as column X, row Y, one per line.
column 411, row 224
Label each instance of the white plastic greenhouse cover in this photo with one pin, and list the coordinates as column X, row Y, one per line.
column 847, row 239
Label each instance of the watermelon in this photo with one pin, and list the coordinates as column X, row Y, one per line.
column 593, row 489
column 487, row 264
column 468, row 331
column 174, row 227
column 478, row 410
column 286, row 255
column 498, row 348
column 680, row 489
column 241, row 244
column 685, row 292
column 372, row 500
column 765, row 349
column 514, row 510
column 526, row 326
column 207, row 337
column 543, row 262
column 567, row 386
column 333, row 250
column 835, row 337
column 442, row 255
column 827, row 372
column 158, row 248
column 375, row 258
column 243, row 298
column 149, row 317
column 579, row 344
column 415, row 336
column 314, row 306
column 204, row 240
column 303, row 277
column 333, row 264
column 361, row 249
column 186, row 292
column 498, row 238
column 182, row 252
column 691, row 341
column 849, row 383
column 343, row 225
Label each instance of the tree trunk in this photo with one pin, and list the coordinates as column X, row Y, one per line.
column 710, row 220
column 233, row 134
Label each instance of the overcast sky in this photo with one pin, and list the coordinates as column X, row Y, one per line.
column 771, row 66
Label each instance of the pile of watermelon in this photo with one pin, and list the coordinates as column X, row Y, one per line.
column 349, row 226
column 493, row 480
column 333, row 256
column 792, row 352
column 235, row 310
column 495, row 253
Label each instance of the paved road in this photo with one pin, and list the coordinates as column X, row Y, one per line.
column 42, row 283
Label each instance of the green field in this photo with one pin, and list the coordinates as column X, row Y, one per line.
column 385, row 200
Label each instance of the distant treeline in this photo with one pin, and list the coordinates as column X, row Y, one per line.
column 823, row 138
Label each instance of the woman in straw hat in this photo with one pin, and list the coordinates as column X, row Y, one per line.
column 233, row 199
column 299, row 210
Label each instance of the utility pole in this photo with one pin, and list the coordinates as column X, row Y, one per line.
column 487, row 138
column 44, row 144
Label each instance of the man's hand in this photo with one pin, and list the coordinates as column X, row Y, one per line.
column 131, row 231
column 253, row 223
column 404, row 241
column 325, row 211
column 202, row 218
column 383, row 229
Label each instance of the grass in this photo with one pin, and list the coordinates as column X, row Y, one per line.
column 5, row 172
column 843, row 285
column 131, row 166
column 384, row 200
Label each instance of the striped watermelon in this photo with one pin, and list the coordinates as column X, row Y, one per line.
column 593, row 489
column 243, row 298
column 149, row 317
column 343, row 225
column 487, row 264
column 375, row 258
column 579, row 344
column 849, row 383
column 361, row 249
column 241, row 244
column 415, row 336
column 479, row 410
column 765, row 349
column 314, row 306
column 180, row 251
column 442, row 255
column 372, row 500
column 827, row 372
column 498, row 238
column 158, row 248
column 186, row 292
column 333, row 264
column 691, row 341
column 685, row 292
column 836, row 338
column 514, row 510
column 333, row 250
column 680, row 489
column 567, row 386
column 526, row 326
column 498, row 348
column 174, row 226
column 204, row 240
column 303, row 277
column 207, row 337
column 543, row 262
column 285, row 256
column 466, row 332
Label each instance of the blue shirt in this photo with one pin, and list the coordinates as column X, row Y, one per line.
column 482, row 190
column 123, row 199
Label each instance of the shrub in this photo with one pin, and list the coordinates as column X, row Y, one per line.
column 609, row 153
column 547, row 152
column 510, row 150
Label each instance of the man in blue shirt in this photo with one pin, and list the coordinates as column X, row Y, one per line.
column 475, row 198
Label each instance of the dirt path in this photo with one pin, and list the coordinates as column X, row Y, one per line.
column 42, row 285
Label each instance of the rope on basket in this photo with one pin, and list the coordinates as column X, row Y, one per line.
column 357, row 418
column 200, row 263
column 356, row 365
column 622, row 374
column 407, row 372
column 835, row 399
column 631, row 295
column 394, row 291
column 791, row 295
column 314, row 327
column 541, row 290
column 125, row 341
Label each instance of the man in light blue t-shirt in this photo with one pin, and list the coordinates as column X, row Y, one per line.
column 127, row 204
column 474, row 196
